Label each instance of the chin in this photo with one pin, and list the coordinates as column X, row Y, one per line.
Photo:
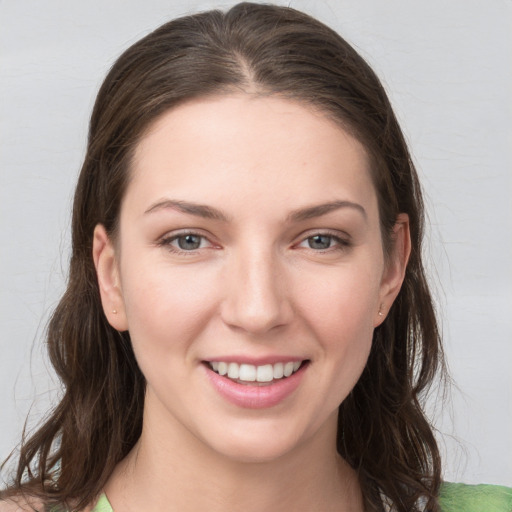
column 261, row 443
column 255, row 452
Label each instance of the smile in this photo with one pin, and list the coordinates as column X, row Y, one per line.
column 256, row 386
column 251, row 373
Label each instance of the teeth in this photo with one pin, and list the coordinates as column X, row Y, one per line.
column 247, row 372
column 222, row 369
column 252, row 373
column 265, row 373
column 233, row 370
column 288, row 369
column 278, row 371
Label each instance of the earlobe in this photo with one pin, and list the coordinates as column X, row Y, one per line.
column 394, row 270
column 107, row 272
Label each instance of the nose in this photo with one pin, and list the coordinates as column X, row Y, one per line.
column 257, row 299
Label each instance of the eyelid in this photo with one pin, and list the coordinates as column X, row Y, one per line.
column 343, row 239
column 167, row 239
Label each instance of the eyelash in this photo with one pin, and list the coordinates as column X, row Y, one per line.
column 340, row 244
column 167, row 242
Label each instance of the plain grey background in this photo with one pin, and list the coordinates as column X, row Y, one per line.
column 446, row 66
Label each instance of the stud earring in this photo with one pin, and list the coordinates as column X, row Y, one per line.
column 380, row 311
column 114, row 311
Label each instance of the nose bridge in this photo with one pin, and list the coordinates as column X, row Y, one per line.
column 256, row 300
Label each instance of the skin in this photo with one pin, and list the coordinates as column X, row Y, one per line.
column 257, row 286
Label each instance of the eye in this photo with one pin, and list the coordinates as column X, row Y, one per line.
column 324, row 242
column 188, row 242
column 320, row 242
column 185, row 242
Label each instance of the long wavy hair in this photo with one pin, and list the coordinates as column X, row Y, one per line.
column 382, row 430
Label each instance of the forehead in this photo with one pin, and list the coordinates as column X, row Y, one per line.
column 212, row 148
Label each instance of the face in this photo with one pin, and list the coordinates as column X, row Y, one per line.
column 249, row 272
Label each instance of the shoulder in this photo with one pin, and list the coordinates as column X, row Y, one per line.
column 21, row 504
column 475, row 498
column 24, row 504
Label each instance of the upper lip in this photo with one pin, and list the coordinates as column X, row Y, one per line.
column 256, row 361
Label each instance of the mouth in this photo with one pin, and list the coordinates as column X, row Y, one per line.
column 260, row 375
column 256, row 386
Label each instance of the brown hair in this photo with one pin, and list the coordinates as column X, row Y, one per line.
column 382, row 430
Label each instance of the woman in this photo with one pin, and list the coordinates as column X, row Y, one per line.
column 247, row 322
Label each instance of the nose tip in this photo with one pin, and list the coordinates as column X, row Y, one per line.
column 256, row 314
column 257, row 301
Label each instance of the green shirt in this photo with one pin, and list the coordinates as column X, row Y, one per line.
column 475, row 498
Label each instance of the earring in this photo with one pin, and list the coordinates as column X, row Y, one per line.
column 114, row 311
column 380, row 311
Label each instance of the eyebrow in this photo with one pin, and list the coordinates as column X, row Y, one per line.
column 323, row 209
column 200, row 210
column 208, row 212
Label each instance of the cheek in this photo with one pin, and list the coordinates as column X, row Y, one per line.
column 344, row 327
column 340, row 313
column 166, row 307
column 343, row 303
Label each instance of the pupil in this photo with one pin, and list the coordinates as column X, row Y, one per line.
column 319, row 242
column 189, row 242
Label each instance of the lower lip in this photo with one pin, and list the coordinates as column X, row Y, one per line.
column 256, row 396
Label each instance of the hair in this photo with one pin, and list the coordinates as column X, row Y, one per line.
column 257, row 49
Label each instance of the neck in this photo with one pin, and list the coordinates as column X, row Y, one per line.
column 173, row 470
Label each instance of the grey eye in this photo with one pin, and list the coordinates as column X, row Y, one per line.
column 320, row 242
column 189, row 242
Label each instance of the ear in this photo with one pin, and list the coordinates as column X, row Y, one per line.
column 107, row 272
column 394, row 269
